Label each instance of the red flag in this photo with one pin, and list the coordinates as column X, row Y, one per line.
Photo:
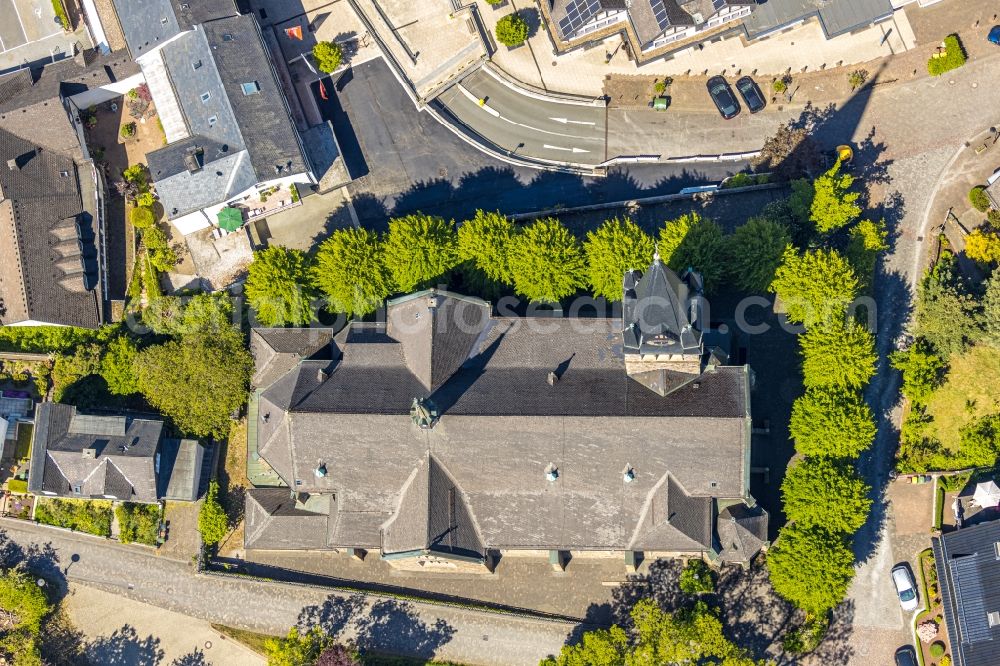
column 294, row 32
column 322, row 90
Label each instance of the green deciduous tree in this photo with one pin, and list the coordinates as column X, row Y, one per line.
column 921, row 369
column 142, row 217
column 814, row 286
column 692, row 241
column 201, row 313
column 70, row 368
column 485, row 241
column 801, row 199
column 696, row 578
column 198, row 380
column 27, row 606
column 279, row 287
column 512, row 30
column 601, row 647
column 811, row 567
column 297, row 648
column 212, row 521
column 757, row 250
column 118, row 366
column 990, row 319
column 349, row 270
column 838, row 355
column 820, row 492
column 161, row 255
column 419, row 250
column 327, row 56
column 946, row 312
column 833, row 205
column 547, row 262
column 831, row 422
column 613, row 248
column 867, row 239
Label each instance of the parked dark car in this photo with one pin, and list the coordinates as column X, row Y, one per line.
column 906, row 656
column 722, row 95
column 751, row 94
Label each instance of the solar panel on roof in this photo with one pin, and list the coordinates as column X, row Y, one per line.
column 660, row 13
column 718, row 4
column 578, row 14
column 971, row 607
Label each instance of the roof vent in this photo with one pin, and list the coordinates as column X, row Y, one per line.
column 90, row 452
column 320, row 471
column 628, row 476
column 227, row 37
column 994, row 618
column 551, row 473
column 553, row 378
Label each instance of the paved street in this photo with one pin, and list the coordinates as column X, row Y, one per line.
column 542, row 127
column 425, row 630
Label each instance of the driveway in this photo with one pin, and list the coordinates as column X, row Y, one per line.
column 387, row 624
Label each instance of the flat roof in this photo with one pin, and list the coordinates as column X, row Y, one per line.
column 836, row 16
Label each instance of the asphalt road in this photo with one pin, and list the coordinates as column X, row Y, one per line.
column 405, row 161
column 373, row 622
column 542, row 127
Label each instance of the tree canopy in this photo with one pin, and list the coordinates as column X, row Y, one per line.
column 921, row 369
column 279, row 287
column 990, row 319
column 350, row 272
column 757, row 251
column 547, row 262
column 198, row 380
column 419, row 250
column 613, row 248
column 212, row 522
column 811, row 567
column 838, row 356
column 946, row 311
column 511, row 30
column 983, row 246
column 297, row 648
column 118, row 366
column 867, row 239
column 820, row 492
column 831, row 422
column 485, row 241
column 814, row 286
column 833, row 205
column 688, row 636
column 327, row 56
column 27, row 605
column 692, row 241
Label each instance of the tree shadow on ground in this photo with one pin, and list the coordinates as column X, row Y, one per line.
column 41, row 560
column 394, row 626
column 532, row 18
column 194, row 658
column 125, row 648
column 333, row 615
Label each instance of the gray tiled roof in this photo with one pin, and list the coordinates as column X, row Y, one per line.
column 49, row 268
column 502, row 425
column 185, row 192
column 277, row 351
column 123, row 460
column 742, row 532
column 836, row 17
column 262, row 117
column 276, row 521
column 146, row 23
column 969, row 572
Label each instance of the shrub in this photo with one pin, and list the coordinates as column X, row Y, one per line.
column 951, row 58
column 136, row 175
column 138, row 523
column 512, row 30
column 983, row 247
column 739, row 180
column 60, row 12
column 857, row 78
column 145, row 199
column 936, row 649
column 945, row 661
column 327, row 56
column 660, row 87
column 697, row 578
column 978, row 198
column 91, row 516
column 142, row 217
column 212, row 522
column 779, row 86
column 805, row 639
column 127, row 130
column 993, row 215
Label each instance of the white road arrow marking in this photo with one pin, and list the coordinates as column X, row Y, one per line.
column 575, row 122
column 573, row 150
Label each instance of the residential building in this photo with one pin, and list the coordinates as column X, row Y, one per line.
column 655, row 28
column 968, row 569
column 121, row 456
column 445, row 437
column 230, row 138
column 53, row 265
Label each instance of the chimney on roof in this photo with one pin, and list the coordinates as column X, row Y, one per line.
column 321, row 375
column 320, row 471
column 13, row 165
column 551, row 473
column 90, row 452
column 553, row 378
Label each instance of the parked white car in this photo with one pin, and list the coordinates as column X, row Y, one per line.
column 905, row 588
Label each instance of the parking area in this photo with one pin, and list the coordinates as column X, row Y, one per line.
column 30, row 32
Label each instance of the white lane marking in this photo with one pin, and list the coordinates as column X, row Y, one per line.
column 478, row 101
column 575, row 122
column 18, row 15
column 473, row 97
column 574, row 149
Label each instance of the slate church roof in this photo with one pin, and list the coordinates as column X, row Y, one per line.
column 538, row 437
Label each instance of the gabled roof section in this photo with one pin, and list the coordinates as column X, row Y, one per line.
column 146, row 24
column 278, row 520
column 277, row 350
column 673, row 520
column 438, row 331
column 659, row 312
column 433, row 515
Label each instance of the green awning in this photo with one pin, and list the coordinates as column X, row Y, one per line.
column 230, row 219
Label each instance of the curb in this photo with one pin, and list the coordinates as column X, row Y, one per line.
column 527, row 90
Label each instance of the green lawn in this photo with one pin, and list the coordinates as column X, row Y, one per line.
column 91, row 516
column 138, row 523
column 23, row 449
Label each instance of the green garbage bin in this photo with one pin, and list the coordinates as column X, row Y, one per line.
column 661, row 103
